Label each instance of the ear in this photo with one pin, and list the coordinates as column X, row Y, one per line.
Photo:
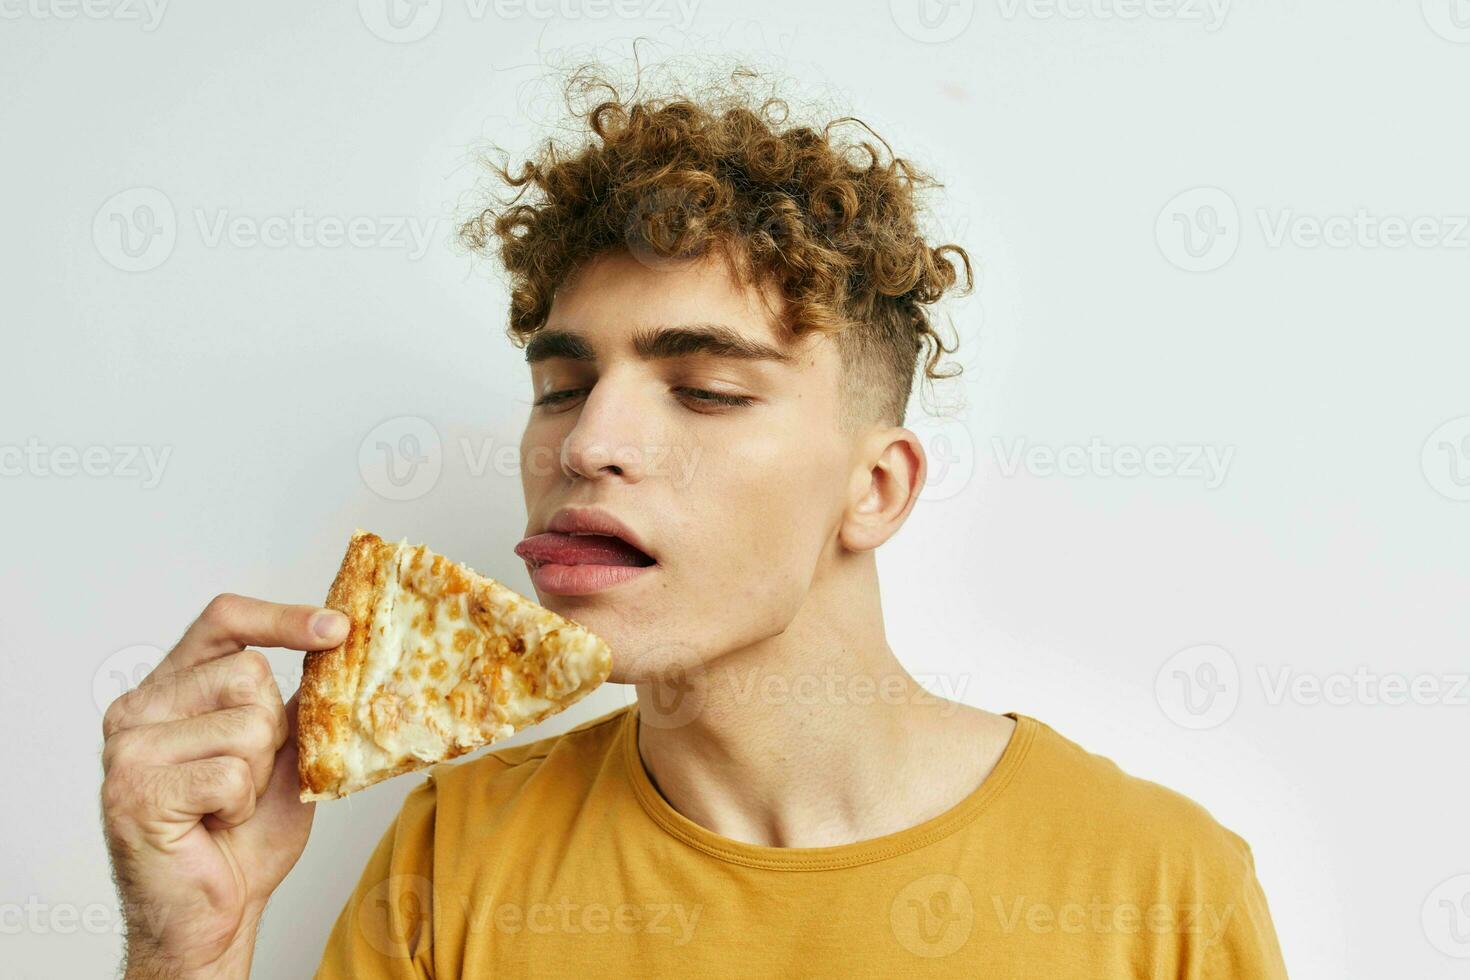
column 890, row 472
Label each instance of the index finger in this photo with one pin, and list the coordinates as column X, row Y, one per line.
column 230, row 623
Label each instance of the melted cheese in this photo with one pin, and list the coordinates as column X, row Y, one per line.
column 456, row 661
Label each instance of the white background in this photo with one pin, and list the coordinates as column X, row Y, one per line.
column 1334, row 542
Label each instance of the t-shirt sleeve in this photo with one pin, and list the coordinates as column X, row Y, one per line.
column 385, row 931
column 1247, row 948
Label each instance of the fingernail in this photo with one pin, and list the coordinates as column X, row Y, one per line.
column 329, row 624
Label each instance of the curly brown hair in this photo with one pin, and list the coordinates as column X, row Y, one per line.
column 832, row 224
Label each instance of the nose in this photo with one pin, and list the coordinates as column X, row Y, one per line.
column 609, row 436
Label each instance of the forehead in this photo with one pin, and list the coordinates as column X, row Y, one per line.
column 619, row 301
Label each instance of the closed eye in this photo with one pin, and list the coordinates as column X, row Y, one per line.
column 555, row 397
column 698, row 395
column 715, row 397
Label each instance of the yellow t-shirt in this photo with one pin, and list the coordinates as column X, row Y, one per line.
column 560, row 859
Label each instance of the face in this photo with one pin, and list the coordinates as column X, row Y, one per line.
column 669, row 398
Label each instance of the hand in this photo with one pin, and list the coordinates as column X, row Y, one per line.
column 200, row 803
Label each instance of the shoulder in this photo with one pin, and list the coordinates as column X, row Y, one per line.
column 1167, row 866
column 1094, row 805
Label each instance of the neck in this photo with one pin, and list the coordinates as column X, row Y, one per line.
column 816, row 736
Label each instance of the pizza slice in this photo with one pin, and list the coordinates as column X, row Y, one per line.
column 439, row 661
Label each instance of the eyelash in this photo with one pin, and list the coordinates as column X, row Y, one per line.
column 717, row 398
column 697, row 394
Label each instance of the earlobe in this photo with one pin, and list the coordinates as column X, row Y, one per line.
column 884, row 489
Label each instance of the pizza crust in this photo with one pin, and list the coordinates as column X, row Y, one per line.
column 438, row 661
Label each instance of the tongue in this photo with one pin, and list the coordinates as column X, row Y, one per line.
column 580, row 549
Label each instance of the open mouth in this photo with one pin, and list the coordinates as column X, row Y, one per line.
column 581, row 548
column 584, row 550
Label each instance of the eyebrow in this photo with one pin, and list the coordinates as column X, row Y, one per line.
column 712, row 339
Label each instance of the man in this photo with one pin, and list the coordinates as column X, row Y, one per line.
column 722, row 316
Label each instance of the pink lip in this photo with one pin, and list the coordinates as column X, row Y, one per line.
column 583, row 579
column 584, row 550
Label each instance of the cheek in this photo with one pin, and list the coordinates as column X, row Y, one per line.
column 761, row 512
column 539, row 459
column 785, row 488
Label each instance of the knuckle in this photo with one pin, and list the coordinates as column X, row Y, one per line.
column 241, row 678
column 259, row 729
column 226, row 777
column 115, row 716
column 223, row 608
column 118, row 750
column 235, row 778
column 255, row 667
column 116, row 793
